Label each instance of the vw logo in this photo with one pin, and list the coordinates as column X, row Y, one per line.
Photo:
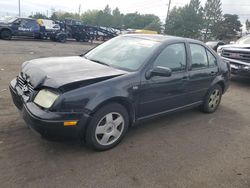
column 25, row 88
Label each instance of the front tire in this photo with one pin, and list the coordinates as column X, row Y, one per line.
column 212, row 99
column 6, row 34
column 62, row 38
column 107, row 127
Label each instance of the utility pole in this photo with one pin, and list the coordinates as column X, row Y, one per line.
column 79, row 10
column 19, row 8
column 169, row 3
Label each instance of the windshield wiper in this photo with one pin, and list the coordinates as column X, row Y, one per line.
column 97, row 61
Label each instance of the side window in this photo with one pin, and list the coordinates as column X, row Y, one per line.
column 211, row 59
column 173, row 57
column 17, row 21
column 32, row 25
column 199, row 56
column 24, row 23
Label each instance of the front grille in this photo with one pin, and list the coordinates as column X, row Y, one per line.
column 238, row 55
column 24, row 85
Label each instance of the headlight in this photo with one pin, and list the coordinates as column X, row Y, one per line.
column 45, row 98
column 219, row 50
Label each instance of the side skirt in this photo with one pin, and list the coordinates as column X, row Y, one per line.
column 189, row 106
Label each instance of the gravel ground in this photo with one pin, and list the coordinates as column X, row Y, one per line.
column 187, row 149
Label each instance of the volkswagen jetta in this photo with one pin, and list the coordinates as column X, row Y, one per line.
column 98, row 95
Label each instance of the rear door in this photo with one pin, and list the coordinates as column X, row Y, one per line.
column 202, row 72
column 33, row 27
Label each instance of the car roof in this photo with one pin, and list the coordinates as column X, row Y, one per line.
column 161, row 38
column 25, row 18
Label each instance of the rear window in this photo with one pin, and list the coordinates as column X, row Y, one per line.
column 199, row 56
column 211, row 59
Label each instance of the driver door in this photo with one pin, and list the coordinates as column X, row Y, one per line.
column 161, row 94
column 26, row 27
column 15, row 26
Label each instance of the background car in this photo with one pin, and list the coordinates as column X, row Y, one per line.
column 238, row 55
column 19, row 27
column 215, row 44
column 28, row 27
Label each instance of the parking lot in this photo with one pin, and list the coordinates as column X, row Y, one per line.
column 187, row 149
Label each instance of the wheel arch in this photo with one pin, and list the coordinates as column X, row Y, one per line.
column 221, row 82
column 222, row 85
column 6, row 28
column 122, row 101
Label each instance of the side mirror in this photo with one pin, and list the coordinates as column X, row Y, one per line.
column 159, row 71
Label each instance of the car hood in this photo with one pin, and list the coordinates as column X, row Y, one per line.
column 66, row 72
column 236, row 46
column 3, row 24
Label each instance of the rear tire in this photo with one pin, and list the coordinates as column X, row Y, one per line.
column 78, row 38
column 62, row 38
column 107, row 127
column 212, row 99
column 6, row 34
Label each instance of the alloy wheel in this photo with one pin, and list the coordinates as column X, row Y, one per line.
column 214, row 99
column 109, row 129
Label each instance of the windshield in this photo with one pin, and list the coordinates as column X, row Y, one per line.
column 123, row 52
column 244, row 40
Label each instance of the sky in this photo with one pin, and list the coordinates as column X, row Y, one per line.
column 157, row 7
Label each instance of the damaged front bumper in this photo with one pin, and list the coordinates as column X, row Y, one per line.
column 46, row 122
